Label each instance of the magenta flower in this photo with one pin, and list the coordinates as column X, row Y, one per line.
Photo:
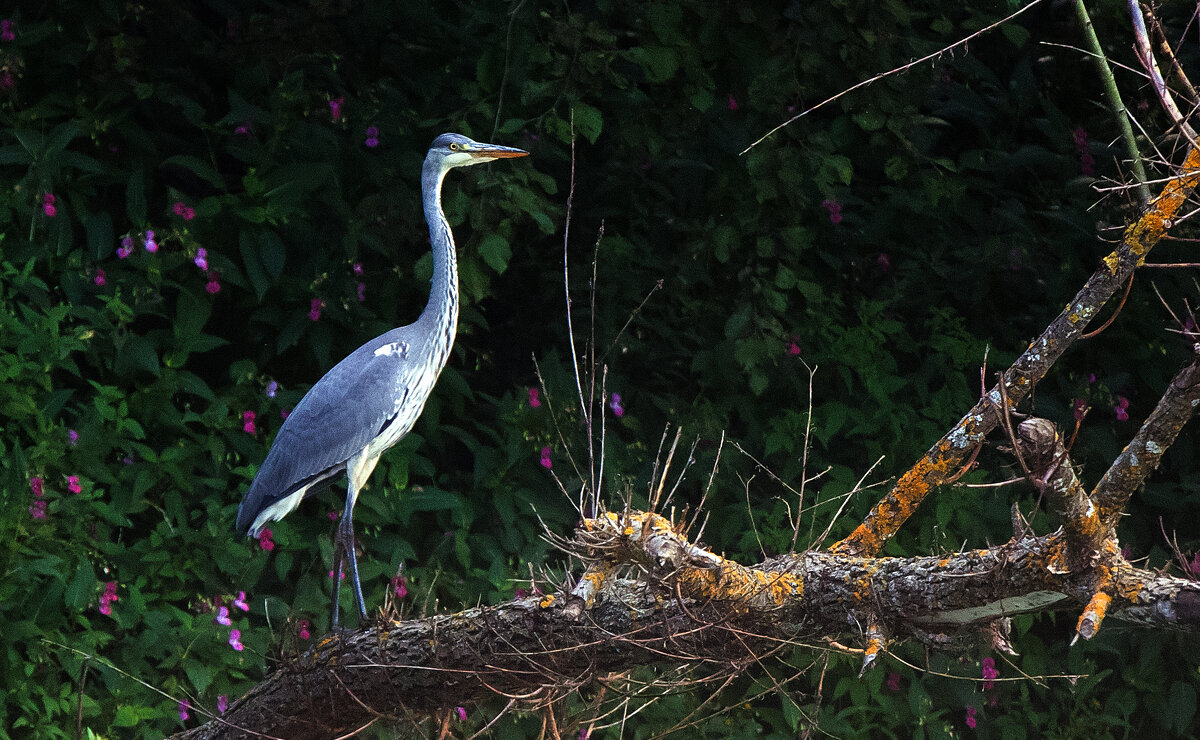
column 213, row 286
column 362, row 292
column 357, row 269
column 303, row 627
column 8, row 30
column 235, row 640
column 971, row 717
column 248, row 422
column 201, row 259
column 534, row 401
column 1080, row 408
column 399, row 586
column 108, row 597
column 884, row 261
column 37, row 485
column 546, row 462
column 272, row 388
column 38, row 509
column 222, row 617
column 72, row 435
column 835, row 210
column 333, row 516
column 341, row 573
column 1091, row 378
column 462, row 714
column 101, row 277
column 283, row 414
column 184, row 706
column 48, row 205
column 240, row 601
column 187, row 213
column 335, row 109
column 989, row 672
column 73, row 484
column 1121, row 409
column 244, row 129
column 149, row 243
column 314, row 309
column 893, row 682
column 733, row 103
column 265, row 540
column 222, row 703
column 615, row 405
column 793, row 347
column 126, row 247
column 372, row 137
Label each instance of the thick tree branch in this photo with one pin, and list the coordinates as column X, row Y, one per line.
column 691, row 608
column 949, row 452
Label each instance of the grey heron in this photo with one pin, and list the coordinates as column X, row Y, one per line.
column 373, row 397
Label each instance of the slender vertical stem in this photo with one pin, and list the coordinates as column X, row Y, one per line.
column 1114, row 102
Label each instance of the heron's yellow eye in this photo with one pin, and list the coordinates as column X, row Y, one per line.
column 454, row 146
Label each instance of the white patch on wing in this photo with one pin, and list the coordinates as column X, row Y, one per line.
column 277, row 511
column 393, row 348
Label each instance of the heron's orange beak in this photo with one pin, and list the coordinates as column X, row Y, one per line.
column 499, row 152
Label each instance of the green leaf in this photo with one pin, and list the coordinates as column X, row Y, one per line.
column 135, row 198
column 273, row 254
column 495, row 252
column 587, row 120
column 100, row 237
column 1181, row 706
column 252, row 263
column 82, row 587
column 197, row 167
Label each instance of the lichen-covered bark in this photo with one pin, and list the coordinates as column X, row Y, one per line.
column 690, row 607
column 953, row 449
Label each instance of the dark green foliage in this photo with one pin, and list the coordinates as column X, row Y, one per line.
column 892, row 239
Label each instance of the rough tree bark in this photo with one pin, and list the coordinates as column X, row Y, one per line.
column 652, row 597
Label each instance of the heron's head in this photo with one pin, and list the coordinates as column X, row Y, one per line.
column 456, row 150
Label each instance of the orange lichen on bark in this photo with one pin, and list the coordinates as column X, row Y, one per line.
column 886, row 518
column 1093, row 615
column 735, row 583
column 1147, row 230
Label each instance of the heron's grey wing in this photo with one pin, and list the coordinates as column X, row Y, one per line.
column 336, row 419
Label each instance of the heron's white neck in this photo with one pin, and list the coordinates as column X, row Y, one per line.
column 440, row 316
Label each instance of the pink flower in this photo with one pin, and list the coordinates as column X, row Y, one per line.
column 108, row 597
column 971, row 717
column 399, row 586
column 884, row 261
column 462, row 714
column 149, row 243
column 733, row 103
column 989, row 672
column 184, row 706
column 272, row 389
column 101, row 276
column 201, row 259
column 357, row 269
column 372, row 137
column 546, row 463
column 835, row 210
column 314, row 309
column 1091, row 378
column 333, row 516
column 222, row 617
column 534, row 401
column 187, row 213
column 37, row 485
column 8, row 30
column 222, row 703
column 38, row 509
column 283, row 414
column 73, row 484
column 265, row 541
column 793, row 348
column 126, row 247
column 335, row 109
column 72, row 437
column 213, row 286
column 1121, row 409
column 248, row 422
column 235, row 640
column 1080, row 407
column 48, row 205
column 240, row 601
column 362, row 292
column 893, row 682
column 303, row 627
column 244, row 129
column 615, row 405
column 341, row 573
